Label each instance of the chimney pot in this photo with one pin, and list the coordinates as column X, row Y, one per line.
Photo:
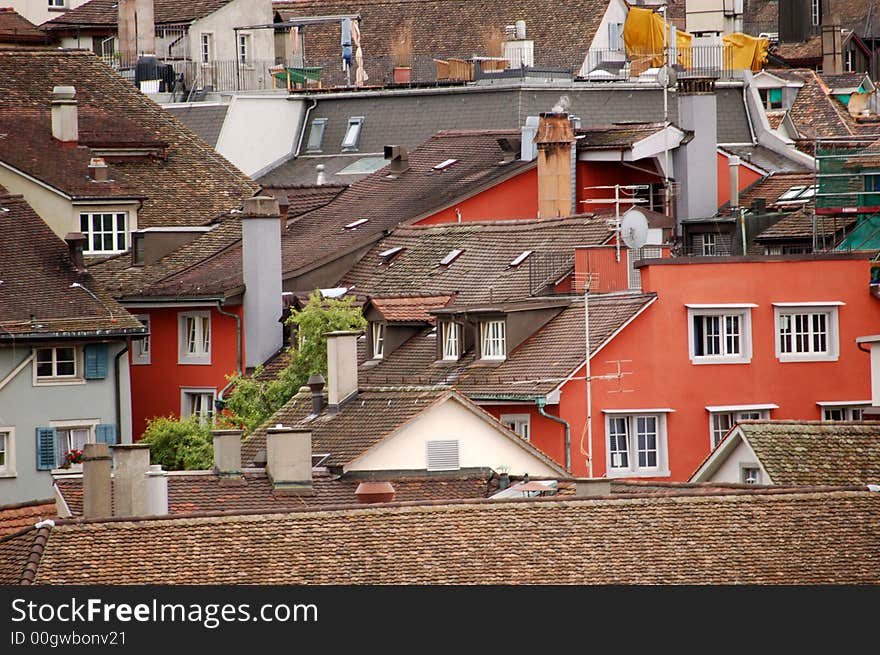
column 342, row 368
column 131, row 463
column 321, row 179
column 554, row 142
column 65, row 122
column 375, row 492
column 97, row 487
column 289, row 459
column 227, row 453
column 76, row 242
column 398, row 159
column 98, row 169
column 157, row 491
column 316, row 386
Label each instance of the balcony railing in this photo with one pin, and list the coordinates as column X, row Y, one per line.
column 693, row 61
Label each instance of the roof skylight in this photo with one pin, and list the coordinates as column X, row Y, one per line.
column 798, row 194
column 387, row 255
column 520, row 258
column 451, row 257
column 445, row 164
column 356, row 224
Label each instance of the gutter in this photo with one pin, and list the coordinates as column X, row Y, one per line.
column 541, row 402
column 117, row 391
column 220, row 402
column 302, row 132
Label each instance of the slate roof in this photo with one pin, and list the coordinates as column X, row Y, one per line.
column 767, row 159
column 23, row 515
column 104, row 13
column 299, row 199
column 758, row 538
column 201, row 491
column 534, row 368
column 615, row 136
column 409, row 309
column 816, row 452
column 482, row 271
column 193, row 184
column 18, row 30
column 205, row 120
column 36, row 272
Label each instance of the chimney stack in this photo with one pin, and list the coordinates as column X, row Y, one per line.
column 832, row 47
column 136, row 28
column 261, row 264
column 131, row 463
column 76, row 242
column 227, row 454
column 589, row 487
column 65, row 122
column 98, row 170
column 398, row 159
column 554, row 141
column 342, row 368
column 733, row 168
column 375, row 492
column 695, row 163
column 157, row 491
column 316, row 386
column 289, row 459
column 97, row 488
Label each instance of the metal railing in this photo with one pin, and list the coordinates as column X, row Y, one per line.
column 691, row 61
column 217, row 75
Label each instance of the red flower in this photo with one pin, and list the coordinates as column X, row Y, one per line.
column 74, row 456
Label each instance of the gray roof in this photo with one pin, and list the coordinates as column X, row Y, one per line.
column 204, row 120
column 769, row 160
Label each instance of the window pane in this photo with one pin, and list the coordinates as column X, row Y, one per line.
column 646, row 440
column 617, row 437
column 84, row 223
column 3, row 449
column 108, row 242
column 731, row 325
column 206, row 334
column 713, row 335
column 96, row 241
column 190, row 335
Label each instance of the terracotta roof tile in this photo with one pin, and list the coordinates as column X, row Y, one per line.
column 22, row 515
column 770, row 188
column 104, row 12
column 799, row 225
column 16, row 29
column 409, row 309
column 758, row 538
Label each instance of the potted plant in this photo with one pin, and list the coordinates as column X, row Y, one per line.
column 401, row 52
column 73, row 459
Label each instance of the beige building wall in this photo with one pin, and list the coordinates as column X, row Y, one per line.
column 221, row 24
column 480, row 444
column 730, row 469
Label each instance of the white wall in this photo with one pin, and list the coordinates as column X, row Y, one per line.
column 221, row 24
column 730, row 469
column 37, row 11
column 260, row 131
column 616, row 12
column 480, row 444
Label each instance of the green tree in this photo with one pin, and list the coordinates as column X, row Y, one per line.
column 179, row 444
column 252, row 400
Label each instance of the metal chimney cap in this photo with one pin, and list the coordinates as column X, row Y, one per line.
column 63, row 93
column 316, row 382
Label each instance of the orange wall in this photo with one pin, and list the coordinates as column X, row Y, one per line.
column 604, row 173
column 747, row 177
column 545, row 435
column 156, row 387
column 513, row 198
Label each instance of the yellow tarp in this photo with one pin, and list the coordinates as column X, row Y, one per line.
column 644, row 40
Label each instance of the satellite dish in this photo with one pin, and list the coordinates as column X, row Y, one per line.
column 634, row 229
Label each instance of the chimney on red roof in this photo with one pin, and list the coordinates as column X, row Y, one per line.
column 98, row 170
column 65, row 123
column 130, row 463
column 289, row 459
column 96, row 481
column 76, row 242
column 554, row 141
column 375, row 492
column 227, row 454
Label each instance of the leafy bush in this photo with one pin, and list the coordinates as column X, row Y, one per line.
column 179, row 444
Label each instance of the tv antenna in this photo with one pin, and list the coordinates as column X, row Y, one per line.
column 629, row 197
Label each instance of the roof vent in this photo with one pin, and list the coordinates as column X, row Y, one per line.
column 398, row 160
column 375, row 492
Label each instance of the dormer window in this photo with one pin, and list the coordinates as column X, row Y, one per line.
column 353, row 133
column 771, row 98
column 378, row 340
column 451, row 342
column 493, row 339
column 106, row 232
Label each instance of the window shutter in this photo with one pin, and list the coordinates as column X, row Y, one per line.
column 45, row 449
column 443, row 455
column 105, row 434
column 96, row 361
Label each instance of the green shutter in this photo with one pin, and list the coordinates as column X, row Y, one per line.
column 45, row 449
column 105, row 434
column 775, row 95
column 96, row 361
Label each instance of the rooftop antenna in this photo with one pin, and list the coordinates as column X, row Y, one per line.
column 634, row 229
column 629, row 198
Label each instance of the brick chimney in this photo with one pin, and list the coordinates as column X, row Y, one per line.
column 342, row 368
column 695, row 163
column 65, row 122
column 289, row 459
column 76, row 242
column 131, row 463
column 261, row 269
column 832, row 47
column 97, row 487
column 98, row 169
column 227, row 454
column 554, row 141
column 136, row 28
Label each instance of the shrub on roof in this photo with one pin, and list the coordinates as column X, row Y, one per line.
column 180, row 444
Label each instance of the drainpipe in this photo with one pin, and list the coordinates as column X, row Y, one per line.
column 540, row 402
column 302, row 132
column 219, row 403
column 118, row 391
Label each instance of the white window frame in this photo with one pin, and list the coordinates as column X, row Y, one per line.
column 206, row 47
column 497, row 341
column 201, row 356
column 57, row 4
column 451, row 341
column 708, row 244
column 851, row 410
column 815, row 12
column 352, row 138
column 744, row 476
column 243, row 48
column 832, row 330
column 54, row 380
column 7, row 468
column 91, row 233
column 734, row 414
column 743, row 311
column 140, row 347
column 186, row 394
column 315, row 141
column 632, row 468
column 378, row 339
column 519, row 423
column 73, row 424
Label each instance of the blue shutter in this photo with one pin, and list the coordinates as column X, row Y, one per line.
column 96, row 361
column 105, row 434
column 45, row 449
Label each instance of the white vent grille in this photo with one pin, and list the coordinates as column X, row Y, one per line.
column 443, row 455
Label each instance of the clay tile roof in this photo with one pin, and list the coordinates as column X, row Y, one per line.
column 202, row 491
column 775, row 118
column 36, row 273
column 817, row 113
column 104, row 13
column 796, row 53
column 773, row 186
column 23, row 515
column 188, row 187
column 816, row 452
column 303, row 198
column 843, row 80
column 799, row 225
column 411, row 309
column 16, row 29
column 758, row 538
column 20, row 554
column 606, row 137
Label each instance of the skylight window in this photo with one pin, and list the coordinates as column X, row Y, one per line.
column 353, row 133
column 316, row 135
column 451, row 257
column 520, row 258
column 798, row 194
column 387, row 255
column 445, row 164
column 356, row 224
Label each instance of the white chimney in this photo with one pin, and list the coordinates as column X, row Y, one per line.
column 227, row 453
column 261, row 269
column 130, row 463
column 157, row 491
column 733, row 167
column 97, row 488
column 342, row 368
column 289, row 459
column 695, row 163
column 65, row 123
